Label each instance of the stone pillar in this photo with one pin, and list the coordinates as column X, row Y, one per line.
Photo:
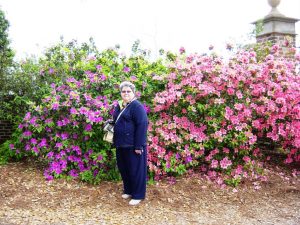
column 278, row 29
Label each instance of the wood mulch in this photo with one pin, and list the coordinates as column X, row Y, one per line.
column 26, row 198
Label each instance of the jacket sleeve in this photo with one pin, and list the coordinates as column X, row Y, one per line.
column 140, row 120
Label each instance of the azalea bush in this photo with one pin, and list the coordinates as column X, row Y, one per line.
column 64, row 127
column 206, row 113
column 64, row 130
column 213, row 113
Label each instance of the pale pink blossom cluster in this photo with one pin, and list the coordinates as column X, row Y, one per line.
column 215, row 112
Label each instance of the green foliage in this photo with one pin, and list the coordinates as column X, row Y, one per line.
column 7, row 154
column 42, row 82
column 6, row 53
column 262, row 50
column 6, row 62
column 234, row 182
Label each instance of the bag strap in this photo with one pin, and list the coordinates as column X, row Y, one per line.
column 123, row 110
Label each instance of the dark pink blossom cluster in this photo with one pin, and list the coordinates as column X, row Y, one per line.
column 66, row 127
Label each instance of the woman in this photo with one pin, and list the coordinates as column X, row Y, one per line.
column 130, row 137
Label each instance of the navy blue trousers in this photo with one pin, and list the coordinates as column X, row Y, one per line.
column 133, row 170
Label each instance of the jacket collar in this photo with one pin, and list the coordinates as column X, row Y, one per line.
column 122, row 104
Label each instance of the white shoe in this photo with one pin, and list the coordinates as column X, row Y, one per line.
column 134, row 201
column 126, row 196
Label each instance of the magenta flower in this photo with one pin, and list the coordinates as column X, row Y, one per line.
column 88, row 127
column 188, row 159
column 126, row 69
column 27, row 133
column 77, row 149
column 64, row 136
column 73, row 173
column 49, row 120
column 55, row 106
column 58, row 145
column 33, row 120
column 55, row 167
column 35, row 149
column 43, row 143
column 147, row 108
column 73, row 111
column 27, row 116
column 51, row 71
column 27, row 147
column 48, row 176
column 33, row 141
column 98, row 67
column 99, row 158
column 83, row 110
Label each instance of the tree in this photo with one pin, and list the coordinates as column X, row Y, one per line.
column 6, row 53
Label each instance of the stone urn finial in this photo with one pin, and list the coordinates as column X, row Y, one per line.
column 274, row 11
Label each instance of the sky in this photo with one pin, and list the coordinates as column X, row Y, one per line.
column 159, row 24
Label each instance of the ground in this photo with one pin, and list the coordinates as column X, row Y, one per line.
column 26, row 198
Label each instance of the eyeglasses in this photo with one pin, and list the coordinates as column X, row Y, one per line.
column 126, row 91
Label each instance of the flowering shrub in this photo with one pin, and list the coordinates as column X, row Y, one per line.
column 206, row 113
column 64, row 127
column 212, row 114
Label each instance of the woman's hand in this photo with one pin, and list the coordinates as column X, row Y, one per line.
column 139, row 152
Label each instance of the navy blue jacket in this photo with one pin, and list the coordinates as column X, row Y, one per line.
column 131, row 128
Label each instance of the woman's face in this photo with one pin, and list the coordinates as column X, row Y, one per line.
column 127, row 94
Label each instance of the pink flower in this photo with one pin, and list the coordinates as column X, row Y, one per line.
column 230, row 91
column 288, row 160
column 275, row 48
column 27, row 116
column 226, row 150
column 51, row 71
column 182, row 50
column 133, row 78
column 214, row 163
column 238, row 170
column 239, row 94
column 225, row 163
column 246, row 159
